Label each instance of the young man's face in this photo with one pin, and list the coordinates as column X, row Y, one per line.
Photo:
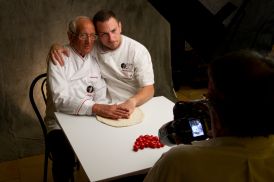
column 109, row 33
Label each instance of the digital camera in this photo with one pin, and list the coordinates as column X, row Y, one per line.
column 191, row 122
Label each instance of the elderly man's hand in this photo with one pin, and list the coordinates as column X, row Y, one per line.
column 110, row 111
column 56, row 54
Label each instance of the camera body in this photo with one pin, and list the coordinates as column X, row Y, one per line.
column 191, row 123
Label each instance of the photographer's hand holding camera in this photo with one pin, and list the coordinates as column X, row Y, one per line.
column 241, row 107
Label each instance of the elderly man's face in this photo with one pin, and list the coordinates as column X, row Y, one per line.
column 83, row 40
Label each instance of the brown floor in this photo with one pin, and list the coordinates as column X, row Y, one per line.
column 188, row 93
column 31, row 168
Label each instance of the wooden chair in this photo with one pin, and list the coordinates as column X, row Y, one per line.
column 41, row 80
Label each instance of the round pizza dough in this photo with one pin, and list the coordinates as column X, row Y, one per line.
column 136, row 117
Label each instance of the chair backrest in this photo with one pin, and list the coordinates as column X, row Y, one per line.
column 39, row 80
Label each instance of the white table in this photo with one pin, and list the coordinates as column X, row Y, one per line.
column 106, row 152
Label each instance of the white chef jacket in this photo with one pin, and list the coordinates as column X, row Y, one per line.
column 74, row 87
column 126, row 69
column 225, row 159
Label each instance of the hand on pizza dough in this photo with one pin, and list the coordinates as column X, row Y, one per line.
column 110, row 111
column 129, row 104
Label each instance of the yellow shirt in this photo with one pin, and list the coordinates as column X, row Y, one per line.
column 224, row 159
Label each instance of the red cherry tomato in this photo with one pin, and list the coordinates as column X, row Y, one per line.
column 145, row 141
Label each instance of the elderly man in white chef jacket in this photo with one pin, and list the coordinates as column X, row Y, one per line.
column 75, row 88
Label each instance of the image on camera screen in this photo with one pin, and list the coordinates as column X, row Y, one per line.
column 196, row 127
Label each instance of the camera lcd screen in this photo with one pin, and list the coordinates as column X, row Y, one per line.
column 196, row 127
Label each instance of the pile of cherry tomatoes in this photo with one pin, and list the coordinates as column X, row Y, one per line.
column 147, row 141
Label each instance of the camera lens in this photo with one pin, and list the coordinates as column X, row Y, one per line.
column 166, row 133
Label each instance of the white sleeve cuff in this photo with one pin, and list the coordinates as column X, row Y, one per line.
column 85, row 108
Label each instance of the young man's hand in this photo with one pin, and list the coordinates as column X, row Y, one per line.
column 129, row 105
column 56, row 54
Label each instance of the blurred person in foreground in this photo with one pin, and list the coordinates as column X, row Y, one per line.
column 241, row 104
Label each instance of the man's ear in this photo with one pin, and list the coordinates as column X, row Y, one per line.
column 216, row 125
column 120, row 26
column 70, row 36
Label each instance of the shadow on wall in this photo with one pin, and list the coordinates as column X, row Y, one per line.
column 20, row 134
column 29, row 27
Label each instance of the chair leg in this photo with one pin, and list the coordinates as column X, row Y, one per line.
column 45, row 177
column 77, row 164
